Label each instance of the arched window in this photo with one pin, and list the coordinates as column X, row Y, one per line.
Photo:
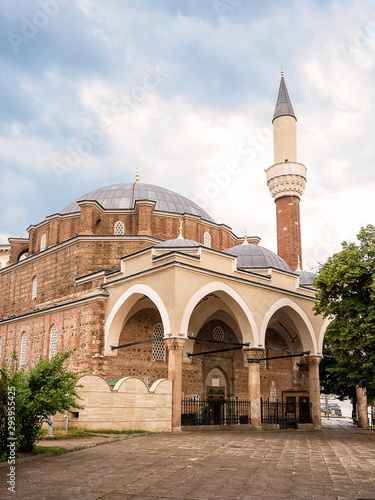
column 158, row 348
column 23, row 349
column 207, row 240
column 119, row 228
column 35, row 288
column 52, row 341
column 23, row 256
column 43, row 242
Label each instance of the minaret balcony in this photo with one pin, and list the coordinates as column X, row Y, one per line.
column 286, row 179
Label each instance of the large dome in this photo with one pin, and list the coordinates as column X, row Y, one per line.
column 123, row 197
column 256, row 257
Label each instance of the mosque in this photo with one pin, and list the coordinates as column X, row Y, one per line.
column 179, row 321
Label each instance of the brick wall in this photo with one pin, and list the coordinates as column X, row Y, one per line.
column 80, row 327
column 92, row 220
column 136, row 361
column 289, row 230
column 56, row 272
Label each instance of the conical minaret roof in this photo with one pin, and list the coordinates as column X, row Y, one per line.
column 283, row 105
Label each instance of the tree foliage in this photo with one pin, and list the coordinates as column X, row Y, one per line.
column 39, row 392
column 346, row 294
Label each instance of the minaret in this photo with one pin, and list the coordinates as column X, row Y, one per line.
column 286, row 180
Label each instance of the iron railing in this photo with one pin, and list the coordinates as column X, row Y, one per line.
column 215, row 412
column 285, row 414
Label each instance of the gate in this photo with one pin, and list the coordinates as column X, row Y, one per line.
column 215, row 412
column 287, row 414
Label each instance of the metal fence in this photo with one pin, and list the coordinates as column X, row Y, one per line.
column 215, row 412
column 285, row 414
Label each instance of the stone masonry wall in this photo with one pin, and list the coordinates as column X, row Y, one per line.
column 80, row 327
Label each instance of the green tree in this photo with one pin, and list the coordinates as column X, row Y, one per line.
column 40, row 392
column 346, row 294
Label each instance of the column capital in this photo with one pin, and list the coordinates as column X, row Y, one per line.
column 175, row 343
column 254, row 354
column 313, row 359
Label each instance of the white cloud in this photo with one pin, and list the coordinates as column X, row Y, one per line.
column 218, row 90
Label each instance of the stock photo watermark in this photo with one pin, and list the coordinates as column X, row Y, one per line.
column 225, row 6
column 361, row 48
column 122, row 105
column 11, row 446
column 215, row 182
column 33, row 24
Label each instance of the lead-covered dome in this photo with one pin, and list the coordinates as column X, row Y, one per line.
column 251, row 256
column 306, row 278
column 178, row 243
column 123, row 197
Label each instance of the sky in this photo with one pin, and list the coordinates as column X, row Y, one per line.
column 186, row 89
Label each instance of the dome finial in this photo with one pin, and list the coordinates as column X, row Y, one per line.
column 137, row 175
column 282, row 72
column 180, row 237
column 298, row 270
column 245, row 242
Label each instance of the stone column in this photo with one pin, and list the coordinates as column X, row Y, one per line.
column 175, row 349
column 253, row 356
column 362, row 408
column 314, row 389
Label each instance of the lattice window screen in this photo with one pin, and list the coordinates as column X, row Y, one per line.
column 119, row 228
column 35, row 288
column 52, row 341
column 158, row 348
column 207, row 240
column 218, row 333
column 43, row 242
column 23, row 349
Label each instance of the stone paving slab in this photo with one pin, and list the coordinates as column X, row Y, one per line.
column 337, row 462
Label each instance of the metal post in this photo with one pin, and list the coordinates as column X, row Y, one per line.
column 50, row 424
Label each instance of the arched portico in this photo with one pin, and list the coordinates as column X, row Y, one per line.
column 298, row 317
column 121, row 310
column 306, row 337
column 232, row 301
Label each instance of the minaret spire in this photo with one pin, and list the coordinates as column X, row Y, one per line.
column 283, row 104
column 286, row 179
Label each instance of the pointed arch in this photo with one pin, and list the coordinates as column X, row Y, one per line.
column 300, row 319
column 119, row 312
column 322, row 333
column 236, row 303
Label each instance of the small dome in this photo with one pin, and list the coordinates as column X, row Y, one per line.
column 178, row 243
column 123, row 197
column 306, row 278
column 251, row 256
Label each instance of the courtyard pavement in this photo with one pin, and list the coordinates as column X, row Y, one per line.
column 337, row 462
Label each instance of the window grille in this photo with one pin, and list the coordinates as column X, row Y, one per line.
column 52, row 341
column 35, row 288
column 119, row 228
column 218, row 333
column 207, row 240
column 43, row 242
column 158, row 348
column 23, row 349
